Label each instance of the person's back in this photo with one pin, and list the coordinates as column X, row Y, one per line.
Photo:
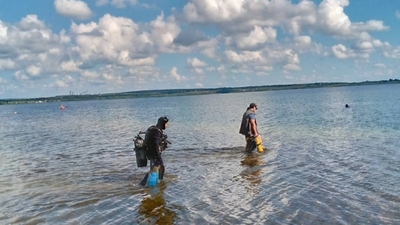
column 245, row 127
column 152, row 139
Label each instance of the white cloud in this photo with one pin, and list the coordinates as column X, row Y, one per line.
column 75, row 9
column 303, row 40
column 60, row 84
column 244, row 56
column 393, row 53
column 175, row 76
column 6, row 64
column 69, row 66
column 291, row 67
column 216, row 11
column 249, row 30
column 91, row 75
column 20, row 76
column 398, row 14
column 380, row 65
column 256, row 38
column 340, row 51
column 198, row 71
column 291, row 57
column 195, row 62
column 115, row 40
column 30, row 45
column 164, row 31
column 34, row 70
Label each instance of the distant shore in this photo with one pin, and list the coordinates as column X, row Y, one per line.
column 183, row 92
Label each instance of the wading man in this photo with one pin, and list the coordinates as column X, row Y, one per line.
column 249, row 129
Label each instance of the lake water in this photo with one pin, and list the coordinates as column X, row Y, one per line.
column 324, row 164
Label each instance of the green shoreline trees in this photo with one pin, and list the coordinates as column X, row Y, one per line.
column 182, row 92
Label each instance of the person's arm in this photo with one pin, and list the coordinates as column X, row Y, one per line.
column 254, row 127
column 158, row 139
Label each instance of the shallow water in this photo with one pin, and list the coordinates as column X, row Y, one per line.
column 324, row 164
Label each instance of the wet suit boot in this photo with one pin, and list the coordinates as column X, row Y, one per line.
column 144, row 180
column 161, row 172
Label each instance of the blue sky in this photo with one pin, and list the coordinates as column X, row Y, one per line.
column 58, row 47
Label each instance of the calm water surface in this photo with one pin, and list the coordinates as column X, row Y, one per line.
column 324, row 164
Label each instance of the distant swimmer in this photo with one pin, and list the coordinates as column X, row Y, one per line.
column 15, row 112
column 63, row 107
column 347, row 106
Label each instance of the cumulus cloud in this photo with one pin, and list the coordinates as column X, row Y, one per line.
column 31, row 48
column 195, row 63
column 198, row 71
column 340, row 51
column 216, row 11
column 244, row 56
column 75, row 9
column 303, row 41
column 175, row 76
column 291, row 67
column 189, row 37
column 34, row 70
column 20, row 76
column 114, row 40
column 393, row 53
column 380, row 65
column 236, row 17
column 249, row 30
column 256, row 38
column 6, row 64
column 164, row 31
column 60, row 84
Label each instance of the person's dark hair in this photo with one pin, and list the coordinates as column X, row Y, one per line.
column 252, row 105
column 162, row 121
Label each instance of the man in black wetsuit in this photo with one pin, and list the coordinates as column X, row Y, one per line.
column 155, row 142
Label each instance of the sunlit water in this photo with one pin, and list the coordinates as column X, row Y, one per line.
column 324, row 164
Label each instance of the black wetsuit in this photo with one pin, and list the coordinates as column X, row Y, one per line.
column 153, row 139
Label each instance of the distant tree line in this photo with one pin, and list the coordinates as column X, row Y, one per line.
column 195, row 91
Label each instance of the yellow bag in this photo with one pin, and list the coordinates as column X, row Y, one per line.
column 258, row 141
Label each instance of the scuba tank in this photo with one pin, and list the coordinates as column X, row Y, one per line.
column 140, row 150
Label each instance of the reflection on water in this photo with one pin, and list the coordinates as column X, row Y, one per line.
column 154, row 209
column 253, row 171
